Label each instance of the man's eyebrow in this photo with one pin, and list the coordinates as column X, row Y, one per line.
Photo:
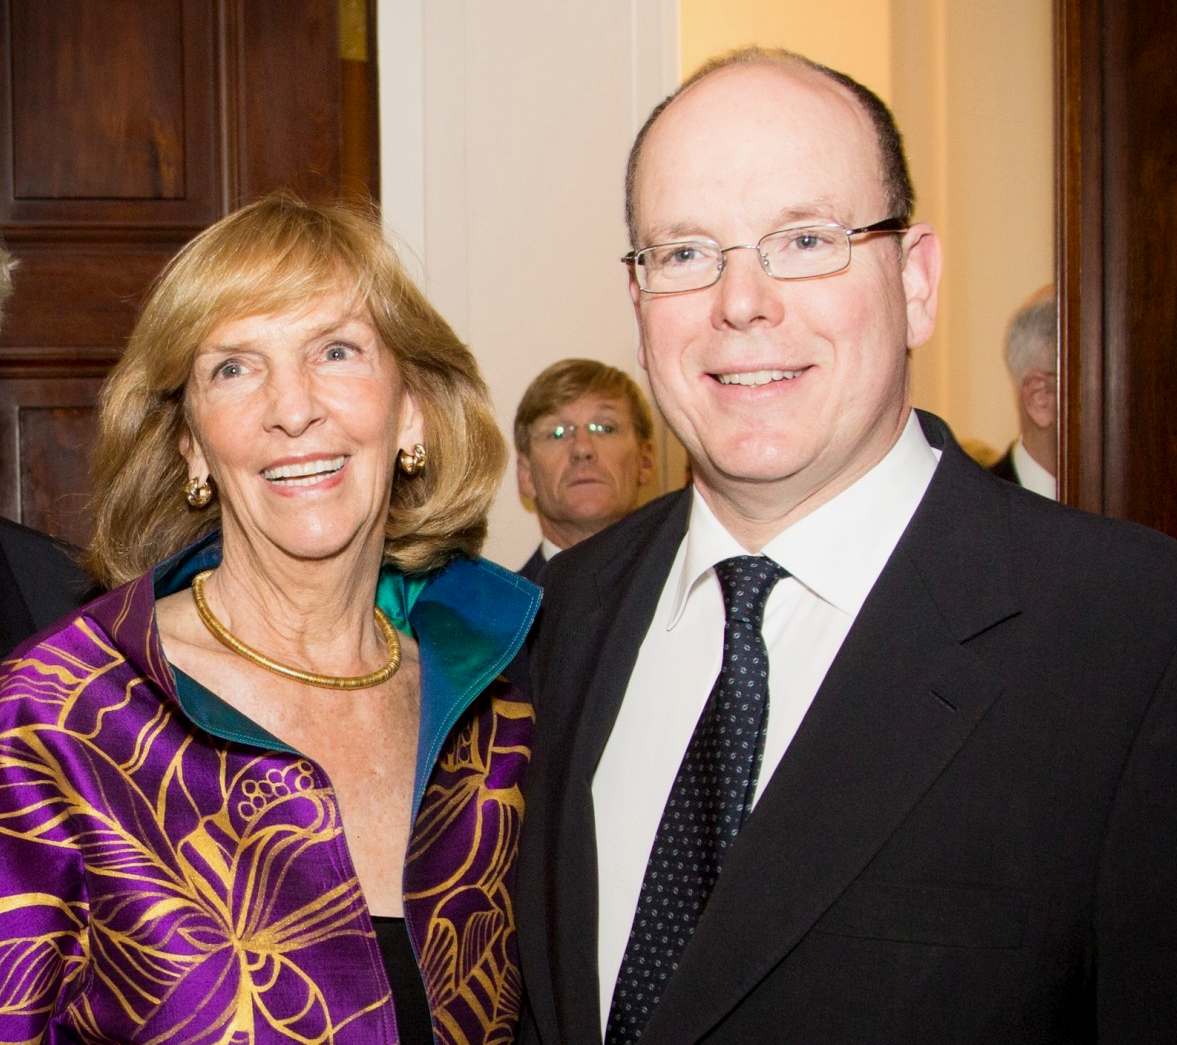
column 818, row 210
column 679, row 230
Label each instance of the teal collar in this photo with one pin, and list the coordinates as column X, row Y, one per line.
column 469, row 619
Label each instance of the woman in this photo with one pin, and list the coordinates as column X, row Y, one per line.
column 293, row 437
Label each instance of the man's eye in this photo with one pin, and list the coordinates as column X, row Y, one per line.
column 602, row 428
column 678, row 256
column 560, row 432
column 809, row 240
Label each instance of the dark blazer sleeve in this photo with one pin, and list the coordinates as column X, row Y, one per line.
column 40, row 582
column 1136, row 918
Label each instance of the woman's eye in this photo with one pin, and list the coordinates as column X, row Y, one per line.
column 229, row 368
column 338, row 353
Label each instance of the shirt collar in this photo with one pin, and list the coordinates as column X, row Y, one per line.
column 839, row 549
column 1031, row 474
column 549, row 550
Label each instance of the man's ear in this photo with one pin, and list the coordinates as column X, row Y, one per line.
column 635, row 296
column 193, row 455
column 1039, row 395
column 921, row 281
column 524, row 477
column 645, row 462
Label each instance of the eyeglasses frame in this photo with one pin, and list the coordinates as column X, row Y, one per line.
column 886, row 225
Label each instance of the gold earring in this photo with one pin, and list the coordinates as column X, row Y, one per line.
column 197, row 492
column 411, row 464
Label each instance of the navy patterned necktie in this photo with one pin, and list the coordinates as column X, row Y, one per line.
column 709, row 801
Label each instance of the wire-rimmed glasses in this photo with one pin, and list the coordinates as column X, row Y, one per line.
column 794, row 253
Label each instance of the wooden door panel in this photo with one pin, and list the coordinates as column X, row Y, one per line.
column 289, row 137
column 1117, row 222
column 78, row 295
column 126, row 126
column 111, row 113
column 46, row 431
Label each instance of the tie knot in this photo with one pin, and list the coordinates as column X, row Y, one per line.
column 746, row 581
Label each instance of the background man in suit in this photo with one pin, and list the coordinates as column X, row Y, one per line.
column 943, row 810
column 39, row 580
column 583, row 436
column 1031, row 357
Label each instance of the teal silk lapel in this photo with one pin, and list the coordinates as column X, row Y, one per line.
column 469, row 619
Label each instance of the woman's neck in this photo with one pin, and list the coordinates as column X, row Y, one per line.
column 312, row 613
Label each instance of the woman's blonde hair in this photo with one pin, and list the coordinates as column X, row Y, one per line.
column 270, row 256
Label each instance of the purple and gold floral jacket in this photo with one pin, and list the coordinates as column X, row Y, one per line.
column 169, row 872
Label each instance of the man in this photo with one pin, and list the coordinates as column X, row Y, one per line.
column 946, row 814
column 1031, row 357
column 39, row 580
column 584, row 439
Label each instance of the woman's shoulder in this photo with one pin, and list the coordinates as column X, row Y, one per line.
column 93, row 648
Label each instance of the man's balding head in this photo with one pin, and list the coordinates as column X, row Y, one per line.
column 891, row 156
column 784, row 390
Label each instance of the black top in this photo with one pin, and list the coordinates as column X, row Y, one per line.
column 408, row 993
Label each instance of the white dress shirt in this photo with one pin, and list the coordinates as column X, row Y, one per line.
column 550, row 551
column 1031, row 474
column 834, row 556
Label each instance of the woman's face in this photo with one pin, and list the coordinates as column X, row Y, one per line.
column 298, row 417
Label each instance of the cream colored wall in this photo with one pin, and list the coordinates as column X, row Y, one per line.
column 817, row 30
column 971, row 86
column 504, row 132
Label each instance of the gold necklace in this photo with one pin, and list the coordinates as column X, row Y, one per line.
column 227, row 638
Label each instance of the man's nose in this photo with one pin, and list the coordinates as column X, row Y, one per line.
column 583, row 445
column 747, row 293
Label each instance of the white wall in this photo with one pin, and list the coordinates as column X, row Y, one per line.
column 504, row 132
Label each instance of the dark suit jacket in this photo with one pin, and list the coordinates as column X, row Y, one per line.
column 971, row 837
column 1003, row 468
column 39, row 582
column 534, row 566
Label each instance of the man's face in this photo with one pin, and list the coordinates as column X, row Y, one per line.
column 783, row 392
column 583, row 480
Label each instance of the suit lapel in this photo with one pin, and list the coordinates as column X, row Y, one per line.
column 558, row 929
column 900, row 699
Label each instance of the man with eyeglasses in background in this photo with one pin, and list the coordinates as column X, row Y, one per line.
column 851, row 742
column 583, row 439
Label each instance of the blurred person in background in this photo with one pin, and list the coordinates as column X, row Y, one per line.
column 1031, row 357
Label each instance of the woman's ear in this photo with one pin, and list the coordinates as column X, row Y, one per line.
column 412, row 424
column 193, row 455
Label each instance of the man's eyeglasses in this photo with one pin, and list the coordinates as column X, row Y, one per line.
column 564, row 433
column 797, row 253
